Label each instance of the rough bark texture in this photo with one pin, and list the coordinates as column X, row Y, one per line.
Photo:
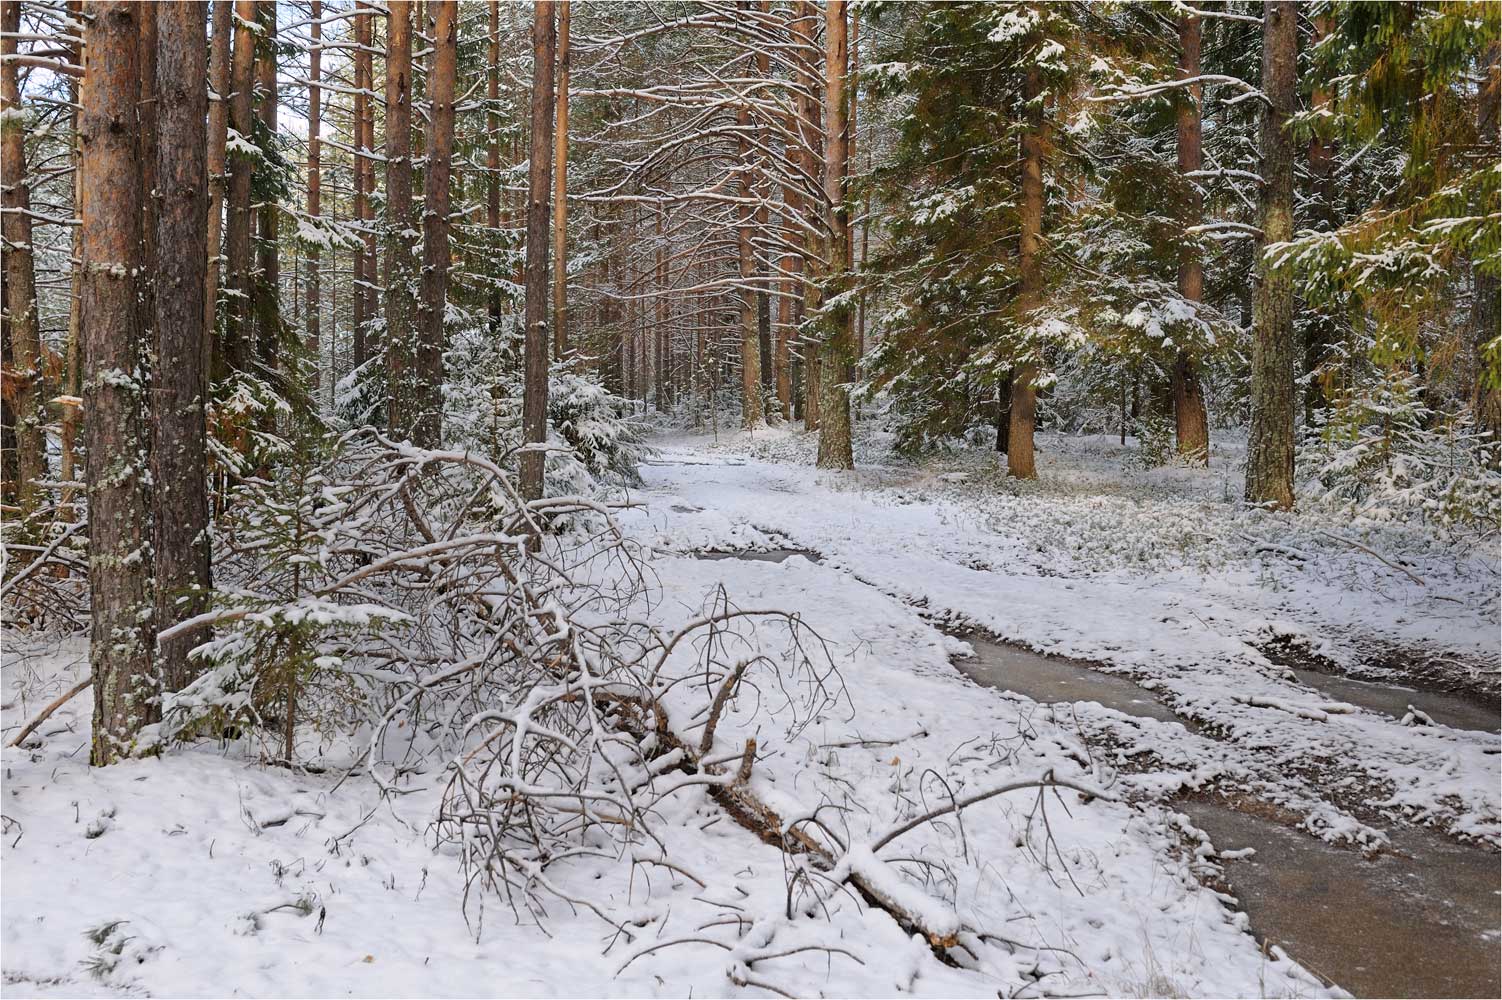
column 312, row 322
column 400, row 236
column 428, row 426
column 238, row 347
column 178, row 460
column 1488, row 309
column 493, row 151
column 1320, row 330
column 809, row 57
column 539, row 172
column 837, row 352
column 1029, row 243
column 560, row 191
column 218, row 134
column 365, row 267
column 1269, row 461
column 267, row 303
column 146, row 145
column 1191, row 423
column 751, row 406
column 120, row 648
column 23, row 364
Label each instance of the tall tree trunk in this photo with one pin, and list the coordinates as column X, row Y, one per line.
column 146, row 114
column 1024, row 394
column 365, row 256
column 1320, row 329
column 313, row 324
column 1487, row 313
column 400, row 236
column 1269, row 462
column 539, row 172
column 1191, row 423
column 268, row 279
column 560, row 191
column 837, row 352
column 24, row 365
column 219, row 70
column 238, row 346
column 812, row 153
column 120, row 648
column 493, row 151
column 179, row 467
column 751, row 407
column 428, row 430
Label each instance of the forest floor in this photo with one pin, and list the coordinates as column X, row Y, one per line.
column 201, row 873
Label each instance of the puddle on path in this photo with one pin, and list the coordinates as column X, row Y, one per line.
column 1394, row 699
column 1052, row 678
column 761, row 555
column 1423, row 922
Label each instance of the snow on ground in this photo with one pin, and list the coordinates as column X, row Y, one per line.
column 204, row 873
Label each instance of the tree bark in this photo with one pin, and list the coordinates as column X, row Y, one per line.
column 238, row 347
column 1191, row 422
column 400, row 236
column 493, row 152
column 312, row 320
column 1269, row 464
column 1320, row 330
column 808, row 58
column 837, row 352
column 179, row 466
column 268, row 278
column 428, row 429
column 365, row 257
column 120, row 649
column 560, row 191
column 146, row 115
column 751, row 405
column 23, row 367
column 1020, row 460
column 1488, row 309
column 539, row 172
column 218, row 134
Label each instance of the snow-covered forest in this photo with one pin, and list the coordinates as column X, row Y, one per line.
column 759, row 498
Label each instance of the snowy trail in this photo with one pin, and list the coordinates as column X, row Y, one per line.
column 1186, row 636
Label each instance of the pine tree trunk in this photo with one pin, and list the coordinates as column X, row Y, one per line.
column 428, row 429
column 837, row 351
column 751, row 407
column 23, row 366
column 146, row 142
column 1191, row 423
column 1024, row 394
column 560, row 191
column 365, row 257
column 493, row 151
column 268, row 279
column 1487, row 312
column 238, row 346
column 120, row 649
column 539, row 173
column 812, row 153
column 179, row 469
column 218, row 132
column 1320, row 330
column 312, row 320
column 400, row 236
column 1269, row 463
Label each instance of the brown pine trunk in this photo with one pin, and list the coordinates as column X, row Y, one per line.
column 146, row 113
column 179, row 468
column 400, row 236
column 1191, row 423
column 120, row 648
column 539, row 172
column 23, row 366
column 1487, row 313
column 812, row 155
column 219, row 57
column 493, row 152
column 1320, row 330
column 365, row 267
column 836, row 368
column 268, row 279
column 428, row 429
column 751, row 406
column 315, row 191
column 1020, row 462
column 238, row 347
column 560, row 192
column 1269, row 461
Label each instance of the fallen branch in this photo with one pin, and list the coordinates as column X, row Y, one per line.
column 46, row 713
column 1357, row 545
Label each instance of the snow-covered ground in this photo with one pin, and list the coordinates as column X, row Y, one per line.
column 202, row 873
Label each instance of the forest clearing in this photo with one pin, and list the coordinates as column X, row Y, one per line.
column 751, row 499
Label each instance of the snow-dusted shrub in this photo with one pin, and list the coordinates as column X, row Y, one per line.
column 1380, row 454
column 598, row 425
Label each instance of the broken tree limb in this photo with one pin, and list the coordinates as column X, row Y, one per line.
column 46, row 713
